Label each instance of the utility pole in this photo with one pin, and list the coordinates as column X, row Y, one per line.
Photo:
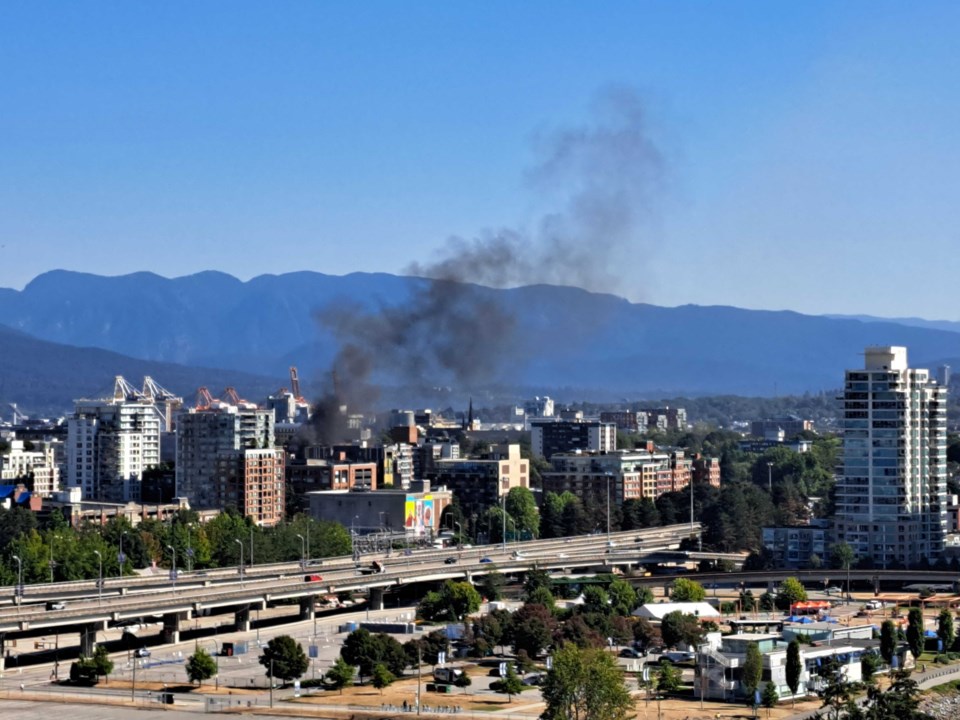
column 271, row 682
column 503, row 515
column 770, row 478
column 133, row 685
column 419, row 663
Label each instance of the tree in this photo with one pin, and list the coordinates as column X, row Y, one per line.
column 83, row 671
column 915, row 632
column 623, row 598
column 283, row 657
column 491, row 585
column 794, row 668
column 595, row 600
column 677, row 627
column 463, row 681
column 542, row 596
column 945, row 629
column 685, row 590
column 790, row 591
column 340, row 674
column 200, row 666
column 888, row 641
column 381, row 677
column 454, row 601
column 869, row 664
column 510, row 684
column 752, row 669
column 585, row 685
column 532, row 628
column 522, row 507
column 669, row 678
column 747, row 601
column 102, row 663
column 534, row 579
column 770, row 697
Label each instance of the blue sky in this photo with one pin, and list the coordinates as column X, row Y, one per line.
column 811, row 150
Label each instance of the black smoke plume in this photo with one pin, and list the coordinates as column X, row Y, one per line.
column 602, row 179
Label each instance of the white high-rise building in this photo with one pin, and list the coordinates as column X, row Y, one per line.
column 891, row 493
column 109, row 445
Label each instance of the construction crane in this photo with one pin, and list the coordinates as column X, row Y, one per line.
column 153, row 391
column 122, row 390
column 17, row 413
column 230, row 396
column 204, row 399
column 295, row 384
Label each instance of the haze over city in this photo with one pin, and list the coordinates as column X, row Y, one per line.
column 801, row 151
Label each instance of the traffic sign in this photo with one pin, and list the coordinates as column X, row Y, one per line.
column 313, row 651
column 121, row 558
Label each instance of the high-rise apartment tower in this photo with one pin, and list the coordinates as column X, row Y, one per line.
column 891, row 493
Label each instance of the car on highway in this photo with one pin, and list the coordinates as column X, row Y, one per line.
column 58, row 605
column 563, row 556
column 142, row 652
column 452, row 560
column 486, row 560
column 517, row 555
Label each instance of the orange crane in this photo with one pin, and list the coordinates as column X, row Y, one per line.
column 204, row 399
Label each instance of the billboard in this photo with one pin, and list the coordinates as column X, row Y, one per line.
column 418, row 514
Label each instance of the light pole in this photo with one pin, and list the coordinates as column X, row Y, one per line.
column 503, row 516
column 240, row 543
column 770, row 478
column 99, row 577
column 52, row 563
column 251, row 546
column 608, row 474
column 303, row 551
column 189, row 549
column 19, row 581
column 121, row 557
column 173, row 572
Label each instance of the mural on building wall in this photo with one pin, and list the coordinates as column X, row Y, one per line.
column 418, row 514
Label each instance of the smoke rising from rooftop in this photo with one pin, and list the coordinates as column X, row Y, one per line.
column 602, row 179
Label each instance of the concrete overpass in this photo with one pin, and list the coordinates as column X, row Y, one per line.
column 90, row 610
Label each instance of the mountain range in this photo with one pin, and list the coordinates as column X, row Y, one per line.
column 69, row 333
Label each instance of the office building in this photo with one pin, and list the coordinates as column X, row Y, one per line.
column 479, row 483
column 780, row 428
column 206, row 433
column 549, row 437
column 891, row 498
column 631, row 475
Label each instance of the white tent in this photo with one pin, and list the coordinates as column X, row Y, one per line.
column 656, row 611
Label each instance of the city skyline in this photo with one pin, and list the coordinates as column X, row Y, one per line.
column 802, row 147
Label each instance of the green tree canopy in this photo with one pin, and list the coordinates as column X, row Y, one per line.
column 915, row 631
column 340, row 674
column 752, row 669
column 522, row 508
column 677, row 627
column 585, row 684
column 283, row 658
column 200, row 666
column 685, row 590
column 532, row 628
column 381, row 677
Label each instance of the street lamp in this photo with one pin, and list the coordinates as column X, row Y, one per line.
column 503, row 516
column 121, row 557
column 19, row 592
column 608, row 474
column 303, row 551
column 173, row 572
column 459, row 534
column 99, row 577
column 770, row 477
column 52, row 563
column 240, row 543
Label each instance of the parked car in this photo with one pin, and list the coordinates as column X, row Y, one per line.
column 142, row 652
column 630, row 653
column 535, row 679
column 875, row 605
column 833, row 590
